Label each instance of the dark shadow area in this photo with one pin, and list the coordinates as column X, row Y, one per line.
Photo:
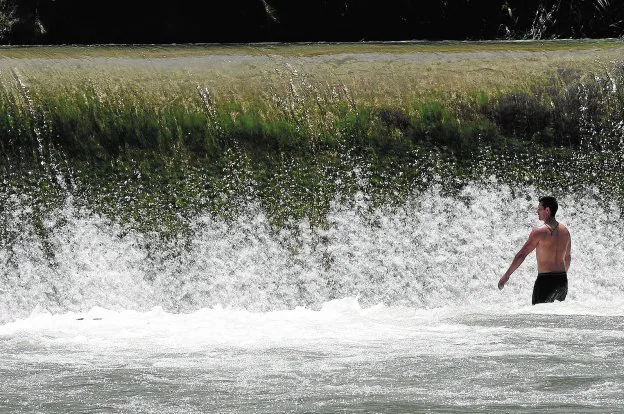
column 235, row 21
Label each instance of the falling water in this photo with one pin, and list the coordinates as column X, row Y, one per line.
column 434, row 251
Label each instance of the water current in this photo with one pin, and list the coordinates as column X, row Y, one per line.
column 389, row 310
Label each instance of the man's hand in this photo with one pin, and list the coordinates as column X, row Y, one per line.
column 502, row 281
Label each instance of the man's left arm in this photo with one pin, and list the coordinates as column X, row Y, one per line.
column 568, row 256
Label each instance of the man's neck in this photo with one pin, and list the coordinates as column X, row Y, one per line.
column 550, row 222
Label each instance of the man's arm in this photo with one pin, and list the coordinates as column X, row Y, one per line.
column 528, row 247
column 568, row 256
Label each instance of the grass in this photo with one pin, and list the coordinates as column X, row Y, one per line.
column 153, row 136
column 370, row 71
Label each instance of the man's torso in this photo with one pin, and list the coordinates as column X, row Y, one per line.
column 551, row 249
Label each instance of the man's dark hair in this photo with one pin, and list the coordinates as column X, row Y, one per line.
column 551, row 203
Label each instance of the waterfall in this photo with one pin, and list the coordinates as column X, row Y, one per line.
column 433, row 251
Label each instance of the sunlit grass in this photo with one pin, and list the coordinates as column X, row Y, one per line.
column 284, row 93
column 281, row 85
column 393, row 72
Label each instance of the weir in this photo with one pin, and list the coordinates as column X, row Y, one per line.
column 433, row 251
column 304, row 193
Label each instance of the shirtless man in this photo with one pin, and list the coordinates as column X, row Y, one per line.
column 552, row 241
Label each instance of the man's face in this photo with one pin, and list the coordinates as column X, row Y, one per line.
column 542, row 213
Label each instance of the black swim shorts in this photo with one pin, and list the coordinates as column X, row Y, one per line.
column 550, row 287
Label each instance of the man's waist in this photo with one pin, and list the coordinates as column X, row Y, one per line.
column 552, row 274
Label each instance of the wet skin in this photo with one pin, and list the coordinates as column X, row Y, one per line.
column 552, row 243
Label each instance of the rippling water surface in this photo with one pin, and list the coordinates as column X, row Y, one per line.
column 564, row 357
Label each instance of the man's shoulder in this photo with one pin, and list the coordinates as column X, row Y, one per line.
column 538, row 233
column 539, row 229
column 543, row 230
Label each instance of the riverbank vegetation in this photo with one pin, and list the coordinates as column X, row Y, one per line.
column 152, row 137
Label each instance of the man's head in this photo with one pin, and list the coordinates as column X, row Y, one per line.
column 548, row 207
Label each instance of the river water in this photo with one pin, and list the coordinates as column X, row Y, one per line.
column 385, row 310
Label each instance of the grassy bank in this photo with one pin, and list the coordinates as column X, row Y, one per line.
column 153, row 136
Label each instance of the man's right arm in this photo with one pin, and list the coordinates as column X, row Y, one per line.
column 528, row 247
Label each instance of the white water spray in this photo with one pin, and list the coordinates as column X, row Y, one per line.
column 434, row 251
